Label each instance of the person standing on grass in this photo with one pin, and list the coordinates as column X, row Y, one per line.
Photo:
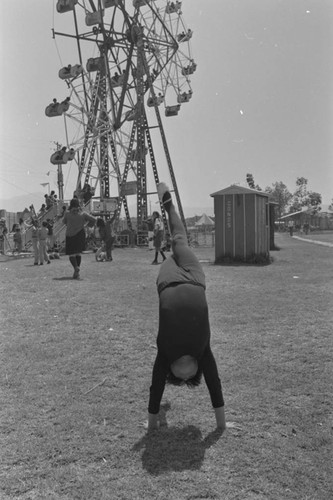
column 291, row 227
column 43, row 255
column 18, row 239
column 35, row 240
column 75, row 220
column 106, row 234
column 183, row 340
column 50, row 235
column 158, row 236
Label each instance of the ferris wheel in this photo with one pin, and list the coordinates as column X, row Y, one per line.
column 133, row 65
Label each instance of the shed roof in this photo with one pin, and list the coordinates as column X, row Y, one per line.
column 235, row 189
column 304, row 210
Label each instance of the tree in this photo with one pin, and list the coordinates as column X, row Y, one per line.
column 304, row 198
column 299, row 196
column 280, row 194
column 314, row 200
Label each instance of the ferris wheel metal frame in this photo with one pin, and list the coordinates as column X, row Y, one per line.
column 139, row 54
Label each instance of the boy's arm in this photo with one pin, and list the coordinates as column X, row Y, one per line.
column 152, row 421
column 156, row 392
column 220, row 418
column 213, row 383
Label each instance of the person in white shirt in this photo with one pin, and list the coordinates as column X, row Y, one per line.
column 158, row 236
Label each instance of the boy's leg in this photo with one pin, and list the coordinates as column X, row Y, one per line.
column 183, row 255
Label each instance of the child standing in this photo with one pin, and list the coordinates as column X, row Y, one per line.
column 43, row 234
column 18, row 239
column 106, row 234
column 35, row 240
column 158, row 236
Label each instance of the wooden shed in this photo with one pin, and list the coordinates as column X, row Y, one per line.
column 241, row 224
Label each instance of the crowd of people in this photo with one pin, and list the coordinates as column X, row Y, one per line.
column 41, row 231
column 43, row 243
column 50, row 201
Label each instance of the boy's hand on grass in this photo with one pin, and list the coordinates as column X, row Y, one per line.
column 153, row 423
column 220, row 419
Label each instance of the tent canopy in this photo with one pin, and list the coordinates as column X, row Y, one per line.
column 205, row 221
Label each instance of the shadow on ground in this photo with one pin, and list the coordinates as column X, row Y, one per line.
column 64, row 278
column 174, row 449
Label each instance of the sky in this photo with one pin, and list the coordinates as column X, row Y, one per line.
column 262, row 98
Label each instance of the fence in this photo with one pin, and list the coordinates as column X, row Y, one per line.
column 202, row 238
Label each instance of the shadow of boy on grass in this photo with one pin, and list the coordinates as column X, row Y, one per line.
column 174, row 449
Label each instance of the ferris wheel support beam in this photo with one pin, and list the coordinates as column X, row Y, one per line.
column 165, row 145
column 141, row 153
column 104, row 159
column 92, row 5
column 80, row 57
column 117, row 123
column 90, row 126
column 122, row 181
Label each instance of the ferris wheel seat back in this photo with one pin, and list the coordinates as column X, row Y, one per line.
column 70, row 71
column 94, row 17
column 184, row 97
column 57, row 158
column 131, row 115
column 117, row 80
column 62, row 156
column 135, row 154
column 69, row 155
column 94, row 63
column 66, row 5
column 57, row 108
column 172, row 110
column 185, row 37
column 110, row 3
column 141, row 3
column 190, row 69
column 173, row 7
column 155, row 101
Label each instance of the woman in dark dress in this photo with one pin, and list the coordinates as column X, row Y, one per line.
column 75, row 221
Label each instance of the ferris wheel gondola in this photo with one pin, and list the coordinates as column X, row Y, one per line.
column 133, row 58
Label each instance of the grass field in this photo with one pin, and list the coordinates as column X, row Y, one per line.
column 76, row 360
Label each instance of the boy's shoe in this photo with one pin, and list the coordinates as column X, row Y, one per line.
column 154, row 263
column 164, row 195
